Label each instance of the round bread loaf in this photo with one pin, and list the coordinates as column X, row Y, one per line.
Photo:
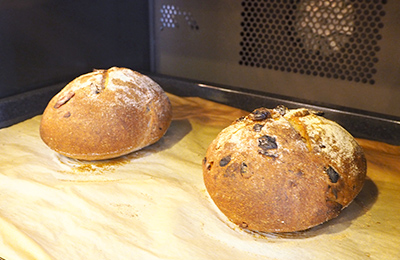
column 106, row 114
column 280, row 170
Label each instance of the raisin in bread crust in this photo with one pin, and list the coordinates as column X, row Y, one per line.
column 106, row 114
column 281, row 170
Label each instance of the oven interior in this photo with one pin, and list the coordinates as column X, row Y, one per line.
column 337, row 56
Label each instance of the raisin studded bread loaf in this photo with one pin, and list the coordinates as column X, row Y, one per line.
column 281, row 170
column 106, row 114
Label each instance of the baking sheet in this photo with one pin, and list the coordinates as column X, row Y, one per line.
column 152, row 204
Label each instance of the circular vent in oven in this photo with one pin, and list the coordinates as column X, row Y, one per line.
column 328, row 38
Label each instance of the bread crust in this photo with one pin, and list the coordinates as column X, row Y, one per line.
column 106, row 114
column 280, row 170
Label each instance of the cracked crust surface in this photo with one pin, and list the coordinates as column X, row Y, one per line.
column 106, row 114
column 281, row 170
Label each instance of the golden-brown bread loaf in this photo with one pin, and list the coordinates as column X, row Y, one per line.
column 281, row 170
column 106, row 114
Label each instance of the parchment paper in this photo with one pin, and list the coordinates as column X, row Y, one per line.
column 152, row 204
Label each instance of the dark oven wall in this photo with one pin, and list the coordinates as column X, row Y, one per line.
column 43, row 42
column 342, row 53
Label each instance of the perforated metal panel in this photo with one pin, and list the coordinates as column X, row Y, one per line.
column 334, row 39
column 170, row 15
column 335, row 52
